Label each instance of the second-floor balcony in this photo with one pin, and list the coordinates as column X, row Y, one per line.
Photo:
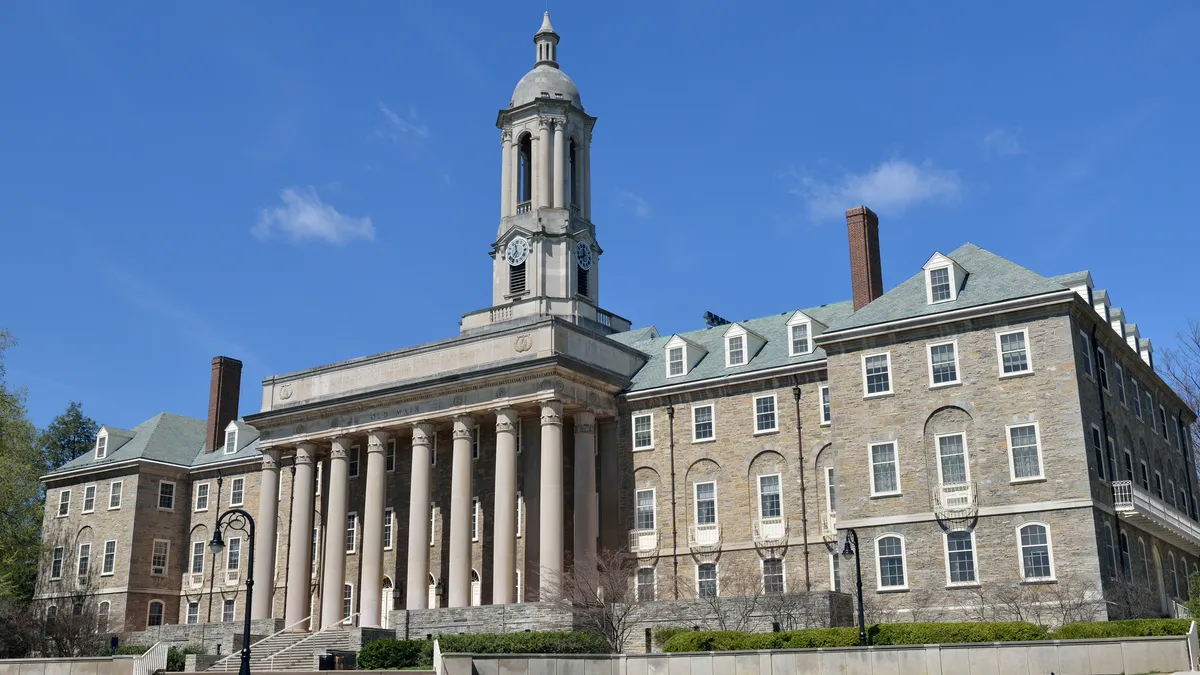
column 1156, row 516
column 955, row 501
column 770, row 530
column 193, row 581
column 829, row 526
column 643, row 542
column 705, row 535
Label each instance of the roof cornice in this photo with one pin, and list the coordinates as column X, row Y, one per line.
column 129, row 463
column 789, row 369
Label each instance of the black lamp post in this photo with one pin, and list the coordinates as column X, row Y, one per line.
column 237, row 519
column 862, row 627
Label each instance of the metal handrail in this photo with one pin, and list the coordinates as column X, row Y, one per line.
column 336, row 625
column 238, row 654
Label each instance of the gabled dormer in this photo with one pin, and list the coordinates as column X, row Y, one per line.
column 741, row 344
column 943, row 279
column 682, row 355
column 102, row 444
column 109, row 440
column 1102, row 305
column 801, row 329
column 231, row 438
column 1133, row 337
column 1117, row 321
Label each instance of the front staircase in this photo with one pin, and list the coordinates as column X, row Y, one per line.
column 285, row 651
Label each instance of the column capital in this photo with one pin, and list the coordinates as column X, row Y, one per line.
column 585, row 422
column 506, row 135
column 340, row 448
column 544, row 123
column 422, row 433
column 464, row 426
column 507, row 419
column 552, row 413
column 377, row 439
column 270, row 458
column 305, row 452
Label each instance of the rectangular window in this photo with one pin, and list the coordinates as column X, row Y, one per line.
column 89, row 499
column 960, row 557
column 56, row 563
column 237, row 491
column 230, row 441
column 706, row 503
column 1098, row 451
column 764, row 414
column 674, row 361
column 64, row 503
column 800, row 339
column 939, row 285
column 773, row 582
column 1112, row 459
column 475, row 442
column 1179, row 442
column 645, row 584
column 389, row 517
column 353, row 461
column 198, row 557
column 193, row 613
column 877, row 374
column 351, row 532
column 1145, row 477
column 890, row 552
column 885, row 474
column 1171, row 493
column 706, row 580
column 520, row 511
column 943, row 364
column 166, row 496
column 1024, row 449
column 736, row 351
column 229, row 610
column 1128, row 464
column 101, row 447
column 1162, row 422
column 1158, row 488
column 1014, row 352
column 114, row 494
column 85, row 559
column 432, row 523
column 702, row 423
column 645, row 514
column 201, row 496
column 1085, row 352
column 952, row 459
column 643, row 432
column 826, row 407
column 159, row 557
column 1036, row 563
column 1135, row 397
column 1149, row 398
column 390, row 456
column 835, row 572
column 109, row 564
column 233, row 555
column 830, row 490
column 770, row 497
column 475, row 519
column 1102, row 369
column 1120, row 373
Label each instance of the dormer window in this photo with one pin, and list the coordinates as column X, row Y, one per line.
column 231, row 440
column 681, row 356
column 675, row 363
column 101, row 445
column 801, row 339
column 943, row 278
column 741, row 344
column 939, row 285
column 735, row 350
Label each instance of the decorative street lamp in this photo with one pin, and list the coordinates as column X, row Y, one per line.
column 239, row 520
column 862, row 628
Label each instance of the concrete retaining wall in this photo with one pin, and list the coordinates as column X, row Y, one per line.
column 227, row 634
column 107, row 665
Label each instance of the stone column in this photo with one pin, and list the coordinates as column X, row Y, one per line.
column 461, row 504
column 560, row 155
column 264, row 536
column 417, row 587
column 544, row 151
column 504, row 557
column 550, row 515
column 585, row 165
column 338, row 509
column 505, row 172
column 585, row 491
column 299, row 573
column 371, row 581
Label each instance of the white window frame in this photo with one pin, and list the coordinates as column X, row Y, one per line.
column 352, row 532
column 202, row 546
column 762, row 569
column 653, row 508
column 162, row 612
column 102, row 445
column 520, row 511
column 653, row 583
column 807, row 326
column 354, row 460
column 774, row 414
column 159, row 495
column 835, row 571
column 929, row 365
column 1102, row 369
column 1122, row 395
column 196, row 495
column 716, row 578
column 1090, row 368
column 683, row 369
column 476, row 517
column 760, row 494
column 84, row 547
column 85, row 508
column 1049, row 551
column 347, row 612
column 1012, row 464
column 696, row 503
column 891, row 385
column 903, row 563
column 59, row 554
column 475, row 433
column 974, row 561
column 949, row 281
column 712, row 412
column 871, row 468
column 229, row 610
column 120, row 485
column 824, row 398
column 389, row 456
column 744, row 348
column 389, row 528
column 192, row 618
column 634, row 420
column 231, row 439
column 433, row 509
column 1000, row 354
column 64, row 505
column 1162, row 415
column 232, row 564
column 1158, row 486
column 233, row 490
column 937, row 446
column 107, row 570
column 830, row 488
column 1137, row 397
column 1094, row 434
column 166, row 558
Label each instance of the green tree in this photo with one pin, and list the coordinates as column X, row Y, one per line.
column 20, row 493
column 69, row 435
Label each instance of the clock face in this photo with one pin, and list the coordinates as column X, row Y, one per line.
column 583, row 253
column 517, row 251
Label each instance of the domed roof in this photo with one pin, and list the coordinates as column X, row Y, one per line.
column 545, row 81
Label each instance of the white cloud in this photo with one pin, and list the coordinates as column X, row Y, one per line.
column 302, row 215
column 635, row 204
column 399, row 127
column 891, row 187
column 1003, row 142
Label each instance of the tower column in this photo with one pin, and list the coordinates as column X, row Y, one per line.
column 550, row 514
column 370, row 594
column 461, row 504
column 338, row 512
column 264, row 541
column 300, row 541
column 586, row 188
column 506, row 173
column 545, row 162
column 560, row 155
column 416, row 590
column 505, row 512
column 585, row 492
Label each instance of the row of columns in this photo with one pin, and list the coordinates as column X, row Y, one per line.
column 550, row 523
column 551, row 174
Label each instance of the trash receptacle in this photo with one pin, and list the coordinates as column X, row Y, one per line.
column 325, row 662
column 344, row 660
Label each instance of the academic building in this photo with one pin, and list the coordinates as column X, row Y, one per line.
column 979, row 427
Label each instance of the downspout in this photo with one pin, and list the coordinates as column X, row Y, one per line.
column 674, row 514
column 803, row 498
column 1104, row 445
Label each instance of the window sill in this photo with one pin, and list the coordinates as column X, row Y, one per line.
column 766, row 432
column 62, row 515
column 704, row 440
column 513, row 296
column 896, row 589
column 107, row 574
column 84, row 513
column 1019, row 373
column 946, row 385
column 55, row 578
column 203, row 510
column 643, row 449
column 114, row 508
column 825, row 424
column 1038, row 582
column 965, row 584
column 881, row 394
column 166, row 510
column 885, row 495
column 1031, row 479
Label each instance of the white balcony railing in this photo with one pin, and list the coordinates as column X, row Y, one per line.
column 193, row 581
column 1134, row 503
column 770, row 529
column 232, row 577
column 524, row 207
column 705, row 535
column 955, row 501
column 643, row 541
column 829, row 525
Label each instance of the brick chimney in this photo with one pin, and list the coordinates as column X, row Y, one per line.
column 866, row 276
column 222, row 399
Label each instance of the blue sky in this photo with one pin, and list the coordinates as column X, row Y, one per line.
column 293, row 184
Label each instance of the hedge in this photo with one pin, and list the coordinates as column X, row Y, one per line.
column 1127, row 628
column 392, row 654
column 532, row 642
column 729, row 641
column 664, row 633
column 176, row 656
column 953, row 633
column 126, row 650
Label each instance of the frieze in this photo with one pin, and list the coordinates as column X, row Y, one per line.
column 523, row 342
column 285, row 392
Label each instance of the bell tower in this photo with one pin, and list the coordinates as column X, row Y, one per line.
column 546, row 260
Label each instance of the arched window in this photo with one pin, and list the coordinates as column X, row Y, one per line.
column 1037, row 560
column 476, row 589
column 1145, row 559
column 51, row 612
column 102, row 617
column 1110, row 557
column 1126, row 563
column 889, row 562
column 1174, row 574
column 524, row 172
column 432, row 591
column 154, row 615
column 347, row 600
column 573, row 173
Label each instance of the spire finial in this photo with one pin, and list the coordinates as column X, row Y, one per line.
column 547, row 44
column 546, row 27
